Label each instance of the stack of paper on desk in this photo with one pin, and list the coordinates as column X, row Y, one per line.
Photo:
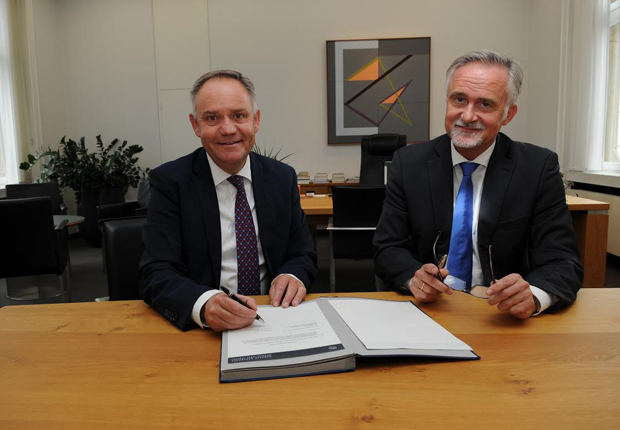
column 325, row 335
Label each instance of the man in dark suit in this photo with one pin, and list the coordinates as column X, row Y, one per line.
column 510, row 229
column 224, row 216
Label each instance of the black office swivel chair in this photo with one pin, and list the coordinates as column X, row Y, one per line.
column 31, row 245
column 376, row 150
column 122, row 248
column 356, row 213
column 50, row 189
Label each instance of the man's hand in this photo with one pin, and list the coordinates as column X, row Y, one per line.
column 512, row 294
column 287, row 290
column 223, row 313
column 425, row 286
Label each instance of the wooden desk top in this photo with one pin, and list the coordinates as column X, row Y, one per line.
column 325, row 206
column 119, row 365
column 317, row 205
column 581, row 204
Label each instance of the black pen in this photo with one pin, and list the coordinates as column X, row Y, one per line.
column 238, row 300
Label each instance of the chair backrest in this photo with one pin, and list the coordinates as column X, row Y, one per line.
column 23, row 191
column 356, row 207
column 29, row 243
column 122, row 247
column 376, row 150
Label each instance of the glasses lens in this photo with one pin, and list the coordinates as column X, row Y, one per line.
column 455, row 283
column 479, row 291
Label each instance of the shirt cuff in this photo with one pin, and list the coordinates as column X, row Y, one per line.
column 543, row 299
column 282, row 274
column 196, row 310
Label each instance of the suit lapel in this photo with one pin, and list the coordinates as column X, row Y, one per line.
column 264, row 208
column 440, row 177
column 203, row 190
column 496, row 183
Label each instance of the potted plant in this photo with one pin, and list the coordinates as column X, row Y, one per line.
column 97, row 178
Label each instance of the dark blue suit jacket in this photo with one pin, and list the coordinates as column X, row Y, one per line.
column 182, row 239
column 523, row 214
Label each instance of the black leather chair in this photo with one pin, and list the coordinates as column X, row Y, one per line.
column 122, row 248
column 127, row 209
column 31, row 245
column 50, row 189
column 376, row 150
column 356, row 213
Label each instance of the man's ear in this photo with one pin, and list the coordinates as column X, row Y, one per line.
column 256, row 120
column 512, row 111
column 194, row 122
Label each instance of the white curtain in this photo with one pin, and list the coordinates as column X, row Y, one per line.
column 583, row 90
column 13, row 106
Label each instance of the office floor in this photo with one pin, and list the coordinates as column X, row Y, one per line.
column 88, row 280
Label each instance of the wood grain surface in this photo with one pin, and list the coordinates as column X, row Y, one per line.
column 119, row 365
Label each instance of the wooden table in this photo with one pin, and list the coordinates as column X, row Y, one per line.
column 71, row 219
column 590, row 222
column 120, row 365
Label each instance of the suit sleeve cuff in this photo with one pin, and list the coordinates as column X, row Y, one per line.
column 196, row 310
column 543, row 299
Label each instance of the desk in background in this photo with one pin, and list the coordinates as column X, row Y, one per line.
column 120, row 365
column 590, row 222
column 324, row 188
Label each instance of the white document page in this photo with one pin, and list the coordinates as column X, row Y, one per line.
column 383, row 324
column 292, row 329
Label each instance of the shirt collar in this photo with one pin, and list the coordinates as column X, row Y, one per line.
column 220, row 175
column 482, row 159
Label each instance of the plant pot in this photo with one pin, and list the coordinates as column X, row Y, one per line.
column 89, row 229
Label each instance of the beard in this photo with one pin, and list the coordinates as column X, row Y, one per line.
column 463, row 139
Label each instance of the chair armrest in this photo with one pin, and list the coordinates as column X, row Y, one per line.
column 330, row 227
column 117, row 210
column 61, row 225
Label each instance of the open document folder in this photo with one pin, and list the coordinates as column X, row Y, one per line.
column 325, row 335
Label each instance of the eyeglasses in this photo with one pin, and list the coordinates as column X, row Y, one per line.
column 479, row 291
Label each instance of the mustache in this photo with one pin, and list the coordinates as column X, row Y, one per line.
column 477, row 125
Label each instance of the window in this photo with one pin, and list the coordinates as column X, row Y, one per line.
column 612, row 135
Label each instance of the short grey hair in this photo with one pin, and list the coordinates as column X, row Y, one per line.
column 223, row 74
column 515, row 73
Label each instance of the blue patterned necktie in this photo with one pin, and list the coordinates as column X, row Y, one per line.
column 248, row 274
column 461, row 247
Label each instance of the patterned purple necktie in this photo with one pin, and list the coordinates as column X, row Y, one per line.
column 248, row 274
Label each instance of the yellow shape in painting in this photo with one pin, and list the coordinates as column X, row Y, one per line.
column 392, row 99
column 369, row 72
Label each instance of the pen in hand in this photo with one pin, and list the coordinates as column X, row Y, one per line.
column 238, row 300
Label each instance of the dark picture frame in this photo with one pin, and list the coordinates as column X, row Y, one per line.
column 378, row 86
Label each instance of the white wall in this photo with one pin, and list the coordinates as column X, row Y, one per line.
column 121, row 60
column 542, row 76
column 281, row 45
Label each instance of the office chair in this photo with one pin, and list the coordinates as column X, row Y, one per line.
column 356, row 213
column 122, row 248
column 377, row 149
column 50, row 189
column 31, row 244
column 127, row 209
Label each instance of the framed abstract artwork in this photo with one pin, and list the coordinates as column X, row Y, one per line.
column 378, row 86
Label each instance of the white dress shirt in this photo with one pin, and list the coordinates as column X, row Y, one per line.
column 226, row 197
column 544, row 299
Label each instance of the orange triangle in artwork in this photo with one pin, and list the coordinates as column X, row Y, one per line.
column 392, row 99
column 368, row 73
